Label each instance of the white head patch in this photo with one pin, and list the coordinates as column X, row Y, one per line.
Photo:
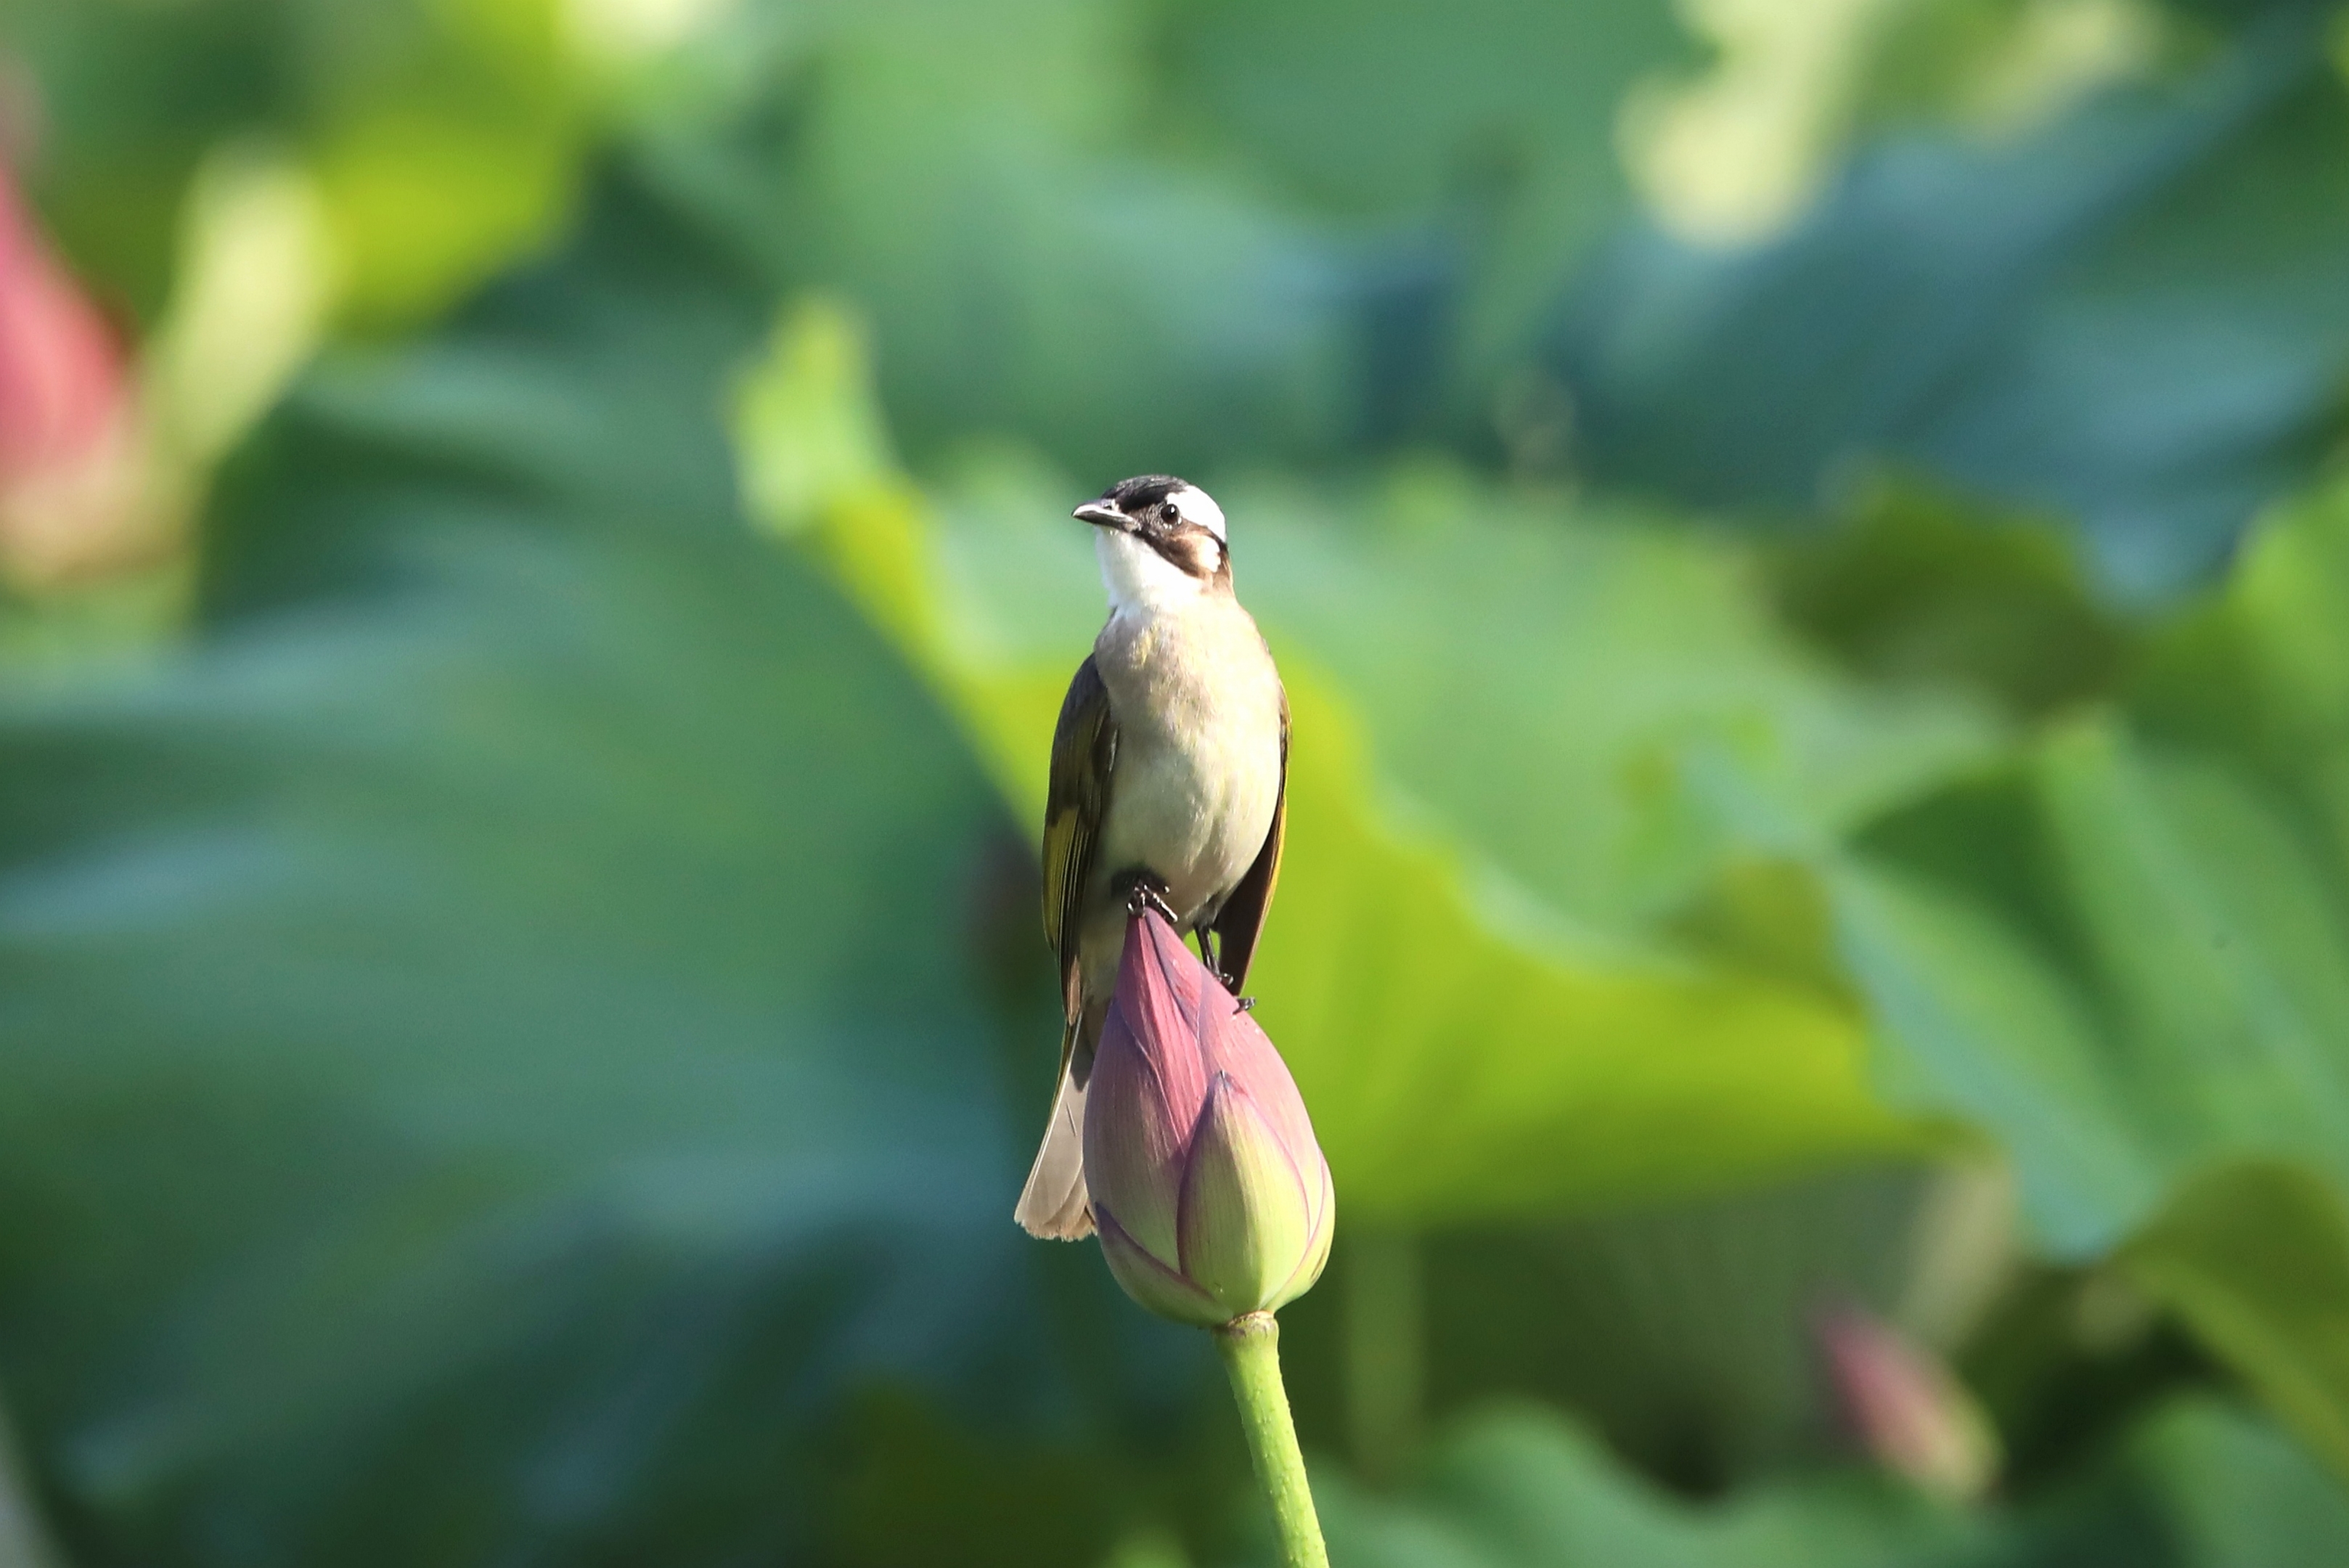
column 1197, row 506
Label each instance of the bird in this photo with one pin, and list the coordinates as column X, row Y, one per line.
column 1168, row 788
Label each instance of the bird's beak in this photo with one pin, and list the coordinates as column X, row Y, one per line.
column 1101, row 515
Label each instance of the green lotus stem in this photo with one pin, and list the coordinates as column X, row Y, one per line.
column 1250, row 1345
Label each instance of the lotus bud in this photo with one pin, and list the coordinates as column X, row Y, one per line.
column 60, row 373
column 1210, row 1194
column 70, row 467
column 1913, row 1418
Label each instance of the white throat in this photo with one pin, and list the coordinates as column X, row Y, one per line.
column 1139, row 579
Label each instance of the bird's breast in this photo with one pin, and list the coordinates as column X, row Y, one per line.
column 1198, row 770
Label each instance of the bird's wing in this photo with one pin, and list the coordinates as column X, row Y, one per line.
column 1084, row 747
column 1240, row 919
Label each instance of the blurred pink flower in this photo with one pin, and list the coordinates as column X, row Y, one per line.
column 69, row 470
column 61, row 385
column 1211, row 1196
column 1910, row 1414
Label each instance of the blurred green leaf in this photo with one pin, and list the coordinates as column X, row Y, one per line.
column 1597, row 702
column 442, row 158
column 445, row 136
column 2234, row 1493
column 2130, row 958
column 500, row 1045
column 2255, row 1257
column 2153, row 902
column 2202, row 1487
column 1179, row 241
column 1498, row 90
column 1521, row 1488
column 1684, row 1332
column 2182, row 993
column 1981, row 1022
column 2260, row 672
column 1465, row 1061
column 2129, row 319
column 1922, row 588
column 977, row 178
column 126, row 100
column 1488, row 132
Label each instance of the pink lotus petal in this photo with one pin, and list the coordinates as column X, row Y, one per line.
column 1150, row 1281
column 1134, row 1135
column 1245, row 1220
column 1911, row 1415
column 1198, row 1151
column 62, row 388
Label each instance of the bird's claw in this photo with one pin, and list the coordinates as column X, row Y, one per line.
column 1246, row 1004
column 1146, row 894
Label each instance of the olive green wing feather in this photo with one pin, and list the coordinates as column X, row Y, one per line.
column 1084, row 748
column 1239, row 921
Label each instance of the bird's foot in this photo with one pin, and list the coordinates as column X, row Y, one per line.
column 1146, row 891
column 1246, row 1004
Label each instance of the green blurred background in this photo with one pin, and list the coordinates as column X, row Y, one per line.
column 1810, row 550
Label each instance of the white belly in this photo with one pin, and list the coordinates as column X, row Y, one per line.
column 1197, row 775
column 1194, row 812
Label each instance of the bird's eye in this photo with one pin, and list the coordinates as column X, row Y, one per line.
column 1170, row 512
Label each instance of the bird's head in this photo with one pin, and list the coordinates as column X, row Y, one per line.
column 1161, row 541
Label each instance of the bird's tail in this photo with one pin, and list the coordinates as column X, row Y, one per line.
column 1054, row 1204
